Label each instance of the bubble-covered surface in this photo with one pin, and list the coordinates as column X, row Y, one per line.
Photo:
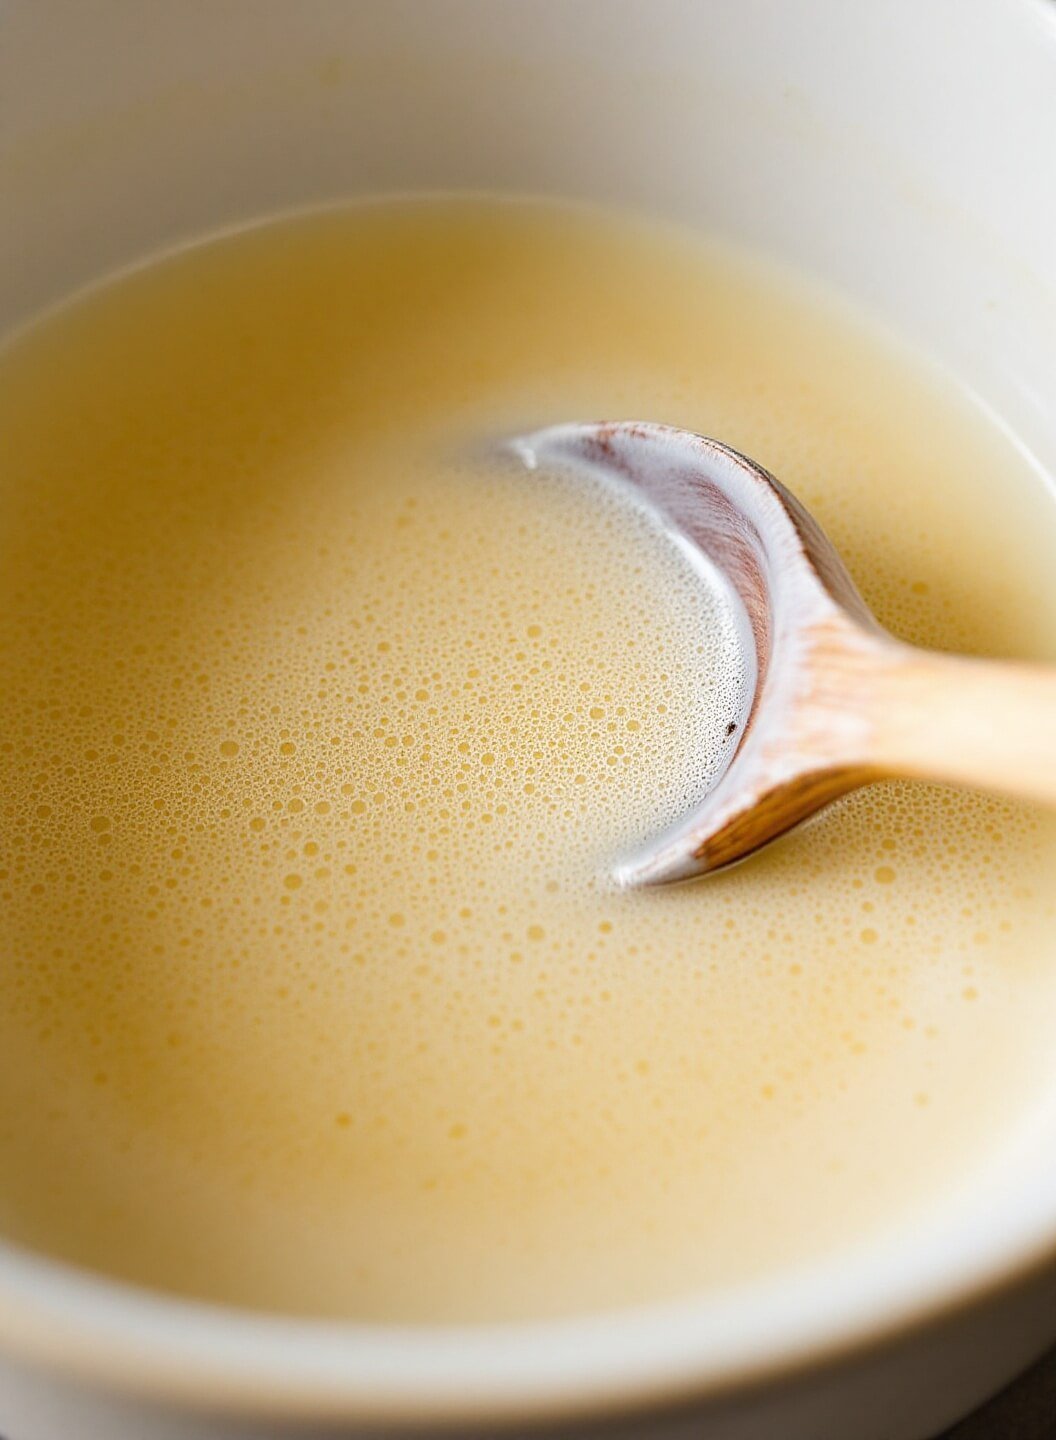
column 317, row 744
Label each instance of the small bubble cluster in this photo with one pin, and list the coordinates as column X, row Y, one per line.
column 319, row 745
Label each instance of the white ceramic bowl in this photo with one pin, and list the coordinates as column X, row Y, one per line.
column 902, row 149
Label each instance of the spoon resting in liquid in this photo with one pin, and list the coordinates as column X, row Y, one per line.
column 833, row 700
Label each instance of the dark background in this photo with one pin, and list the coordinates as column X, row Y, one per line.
column 1025, row 1411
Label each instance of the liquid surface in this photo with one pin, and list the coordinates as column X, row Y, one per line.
column 318, row 740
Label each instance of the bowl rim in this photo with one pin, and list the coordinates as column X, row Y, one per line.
column 140, row 1343
column 143, row 1344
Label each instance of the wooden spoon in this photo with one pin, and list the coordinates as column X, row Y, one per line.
column 834, row 700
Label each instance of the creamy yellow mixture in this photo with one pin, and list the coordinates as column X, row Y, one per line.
column 320, row 731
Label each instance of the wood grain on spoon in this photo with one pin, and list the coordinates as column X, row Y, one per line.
column 837, row 702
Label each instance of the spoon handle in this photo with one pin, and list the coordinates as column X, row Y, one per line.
column 985, row 723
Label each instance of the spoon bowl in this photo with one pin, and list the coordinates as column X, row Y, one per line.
column 834, row 701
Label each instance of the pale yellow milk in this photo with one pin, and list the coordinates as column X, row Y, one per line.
column 320, row 733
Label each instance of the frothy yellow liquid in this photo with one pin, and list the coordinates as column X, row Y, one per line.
column 321, row 731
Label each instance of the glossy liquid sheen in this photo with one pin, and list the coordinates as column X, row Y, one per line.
column 321, row 730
